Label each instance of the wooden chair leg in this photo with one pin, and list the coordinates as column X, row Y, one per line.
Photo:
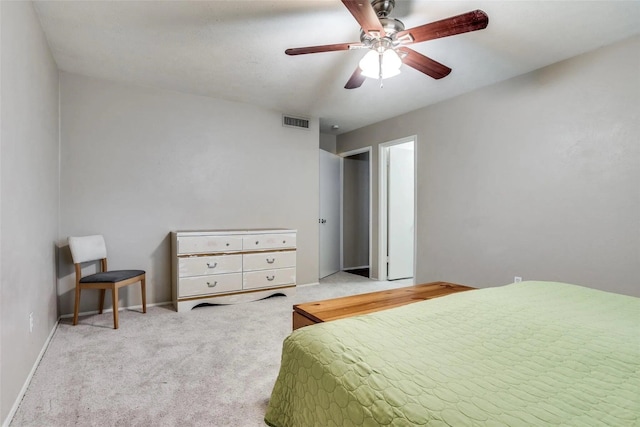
column 114, row 293
column 102, row 292
column 144, row 294
column 77, row 305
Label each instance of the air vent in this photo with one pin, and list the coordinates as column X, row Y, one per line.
column 295, row 122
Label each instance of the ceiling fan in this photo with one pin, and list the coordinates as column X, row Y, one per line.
column 387, row 41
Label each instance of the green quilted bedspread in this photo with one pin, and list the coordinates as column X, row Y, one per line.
column 528, row 354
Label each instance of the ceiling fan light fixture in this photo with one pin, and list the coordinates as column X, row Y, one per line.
column 388, row 59
column 388, row 41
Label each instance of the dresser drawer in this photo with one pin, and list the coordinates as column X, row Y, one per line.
column 203, row 265
column 208, row 244
column 268, row 260
column 213, row 284
column 269, row 278
column 268, row 241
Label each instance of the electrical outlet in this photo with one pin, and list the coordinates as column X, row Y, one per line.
column 31, row 322
column 517, row 279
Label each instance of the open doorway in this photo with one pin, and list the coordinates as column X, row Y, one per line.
column 356, row 212
column 397, row 209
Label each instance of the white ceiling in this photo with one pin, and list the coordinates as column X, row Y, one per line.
column 234, row 49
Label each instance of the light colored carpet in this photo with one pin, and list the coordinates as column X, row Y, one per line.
column 212, row 366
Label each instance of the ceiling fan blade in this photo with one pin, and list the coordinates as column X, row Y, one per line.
column 424, row 64
column 365, row 15
column 470, row 21
column 356, row 79
column 321, row 48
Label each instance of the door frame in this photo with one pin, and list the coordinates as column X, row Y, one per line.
column 383, row 158
column 369, row 150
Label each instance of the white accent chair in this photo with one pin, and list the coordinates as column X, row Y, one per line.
column 92, row 248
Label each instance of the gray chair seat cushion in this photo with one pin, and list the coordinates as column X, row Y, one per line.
column 111, row 276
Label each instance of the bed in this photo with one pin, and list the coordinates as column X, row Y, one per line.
column 526, row 354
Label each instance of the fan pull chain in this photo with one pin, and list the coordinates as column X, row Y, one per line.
column 380, row 69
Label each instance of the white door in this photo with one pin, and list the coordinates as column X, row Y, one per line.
column 400, row 228
column 329, row 219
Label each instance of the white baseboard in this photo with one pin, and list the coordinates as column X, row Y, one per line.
column 110, row 310
column 16, row 404
column 307, row 284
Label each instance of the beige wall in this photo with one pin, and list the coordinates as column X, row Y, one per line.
column 28, row 195
column 328, row 142
column 537, row 176
column 137, row 163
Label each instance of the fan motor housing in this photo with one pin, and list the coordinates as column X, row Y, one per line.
column 383, row 7
column 391, row 27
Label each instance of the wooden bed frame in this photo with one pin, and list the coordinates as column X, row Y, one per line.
column 339, row 308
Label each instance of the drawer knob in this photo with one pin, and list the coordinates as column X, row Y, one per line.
column 257, row 242
column 271, row 261
column 212, row 285
column 270, row 278
column 212, row 266
column 227, row 244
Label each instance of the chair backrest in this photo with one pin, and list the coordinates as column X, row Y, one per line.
column 87, row 248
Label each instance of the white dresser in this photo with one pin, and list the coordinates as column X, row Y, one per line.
column 231, row 266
